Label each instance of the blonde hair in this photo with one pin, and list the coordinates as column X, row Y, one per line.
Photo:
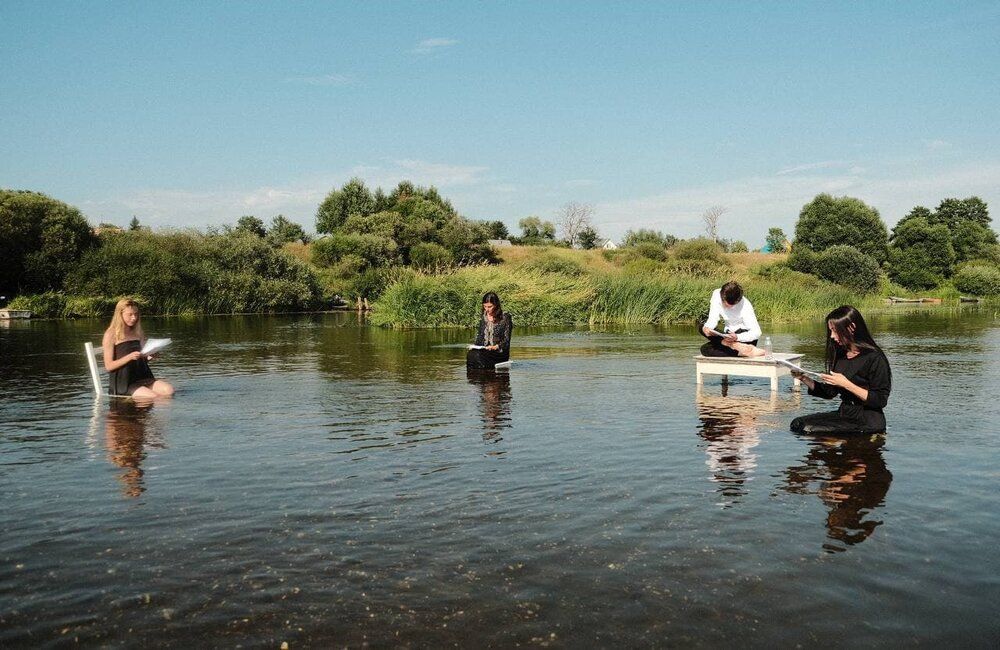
column 117, row 326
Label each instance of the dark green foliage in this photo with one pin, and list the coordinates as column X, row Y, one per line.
column 497, row 230
column 650, row 250
column 733, row 246
column 775, row 241
column 283, row 231
column 195, row 273
column 374, row 250
column 251, row 225
column 642, row 235
column 972, row 239
column 844, row 221
column 428, row 256
column 587, row 238
column 847, row 266
column 802, row 259
column 40, row 241
column 921, row 255
column 134, row 223
column 979, row 280
column 352, row 198
column 952, row 212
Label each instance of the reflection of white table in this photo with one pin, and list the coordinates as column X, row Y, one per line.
column 746, row 367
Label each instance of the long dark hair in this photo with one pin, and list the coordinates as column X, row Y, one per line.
column 494, row 299
column 851, row 329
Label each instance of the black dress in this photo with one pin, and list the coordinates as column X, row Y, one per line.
column 496, row 333
column 870, row 369
column 715, row 348
column 133, row 374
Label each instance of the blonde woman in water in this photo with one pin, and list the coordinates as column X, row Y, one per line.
column 127, row 366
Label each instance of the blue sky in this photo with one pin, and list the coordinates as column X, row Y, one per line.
column 193, row 114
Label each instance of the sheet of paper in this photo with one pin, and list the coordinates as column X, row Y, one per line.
column 477, row 347
column 808, row 373
column 155, row 345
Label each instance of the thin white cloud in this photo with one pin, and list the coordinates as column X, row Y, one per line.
column 577, row 183
column 439, row 174
column 937, row 145
column 810, row 167
column 322, row 80
column 433, row 45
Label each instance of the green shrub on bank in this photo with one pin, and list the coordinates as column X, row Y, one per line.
column 187, row 272
column 978, row 280
column 699, row 249
column 552, row 262
column 52, row 304
column 848, row 266
column 428, row 256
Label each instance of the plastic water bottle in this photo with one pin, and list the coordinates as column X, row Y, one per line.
column 768, row 353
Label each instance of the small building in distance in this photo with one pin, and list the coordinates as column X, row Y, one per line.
column 609, row 245
column 499, row 243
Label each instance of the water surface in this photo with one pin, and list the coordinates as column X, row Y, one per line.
column 320, row 482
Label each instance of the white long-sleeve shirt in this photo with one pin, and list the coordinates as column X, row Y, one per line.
column 740, row 316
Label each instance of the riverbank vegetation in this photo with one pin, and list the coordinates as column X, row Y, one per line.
column 414, row 261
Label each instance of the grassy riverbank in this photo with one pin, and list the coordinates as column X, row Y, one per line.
column 557, row 286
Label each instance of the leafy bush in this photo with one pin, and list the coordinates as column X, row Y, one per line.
column 802, row 259
column 921, row 255
column 978, row 280
column 644, row 236
column 971, row 240
column 550, row 262
column 429, row 256
column 844, row 221
column 738, row 246
column 698, row 249
column 375, row 250
column 194, row 273
column 847, row 266
column 44, row 305
column 651, row 251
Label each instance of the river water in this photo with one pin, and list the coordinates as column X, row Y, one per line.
column 324, row 483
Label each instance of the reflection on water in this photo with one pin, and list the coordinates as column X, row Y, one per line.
column 850, row 476
column 129, row 432
column 731, row 429
column 494, row 399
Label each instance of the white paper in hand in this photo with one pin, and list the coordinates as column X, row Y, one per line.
column 808, row 373
column 155, row 345
column 477, row 347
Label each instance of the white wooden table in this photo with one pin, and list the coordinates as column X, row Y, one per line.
column 746, row 367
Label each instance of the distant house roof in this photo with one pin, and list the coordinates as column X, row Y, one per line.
column 609, row 245
column 497, row 243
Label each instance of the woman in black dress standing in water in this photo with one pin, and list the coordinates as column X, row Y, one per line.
column 128, row 368
column 858, row 371
column 493, row 339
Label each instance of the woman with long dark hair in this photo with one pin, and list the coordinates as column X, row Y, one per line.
column 857, row 370
column 493, row 339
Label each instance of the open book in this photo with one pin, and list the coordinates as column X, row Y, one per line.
column 808, row 373
column 155, row 345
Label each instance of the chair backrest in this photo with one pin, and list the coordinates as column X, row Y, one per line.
column 95, row 376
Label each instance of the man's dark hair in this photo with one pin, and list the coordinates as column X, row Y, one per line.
column 731, row 293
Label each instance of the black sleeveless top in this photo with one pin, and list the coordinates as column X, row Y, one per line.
column 132, row 372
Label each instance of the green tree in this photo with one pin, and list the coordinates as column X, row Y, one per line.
column 921, row 255
column 282, row 231
column 587, row 238
column 252, row 225
column 352, row 198
column 842, row 221
column 40, row 241
column 971, row 240
column 848, row 266
column 775, row 240
column 535, row 231
column 497, row 230
column 644, row 236
column 952, row 212
column 134, row 224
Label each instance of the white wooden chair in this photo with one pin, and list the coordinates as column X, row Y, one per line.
column 95, row 376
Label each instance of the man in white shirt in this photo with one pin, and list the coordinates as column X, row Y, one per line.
column 741, row 329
